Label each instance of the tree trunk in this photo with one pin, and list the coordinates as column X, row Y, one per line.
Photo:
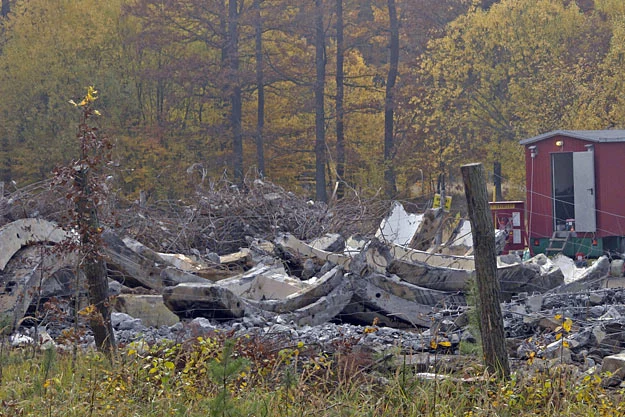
column 92, row 265
column 6, row 8
column 340, row 113
column 389, row 102
column 260, row 87
column 232, row 59
column 497, row 179
column 319, row 87
column 6, row 166
column 488, row 301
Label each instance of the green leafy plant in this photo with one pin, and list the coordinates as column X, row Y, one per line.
column 226, row 369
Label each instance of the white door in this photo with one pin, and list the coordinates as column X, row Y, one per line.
column 585, row 193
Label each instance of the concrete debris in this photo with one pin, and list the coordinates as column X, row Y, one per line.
column 431, row 222
column 15, row 235
column 330, row 242
column 330, row 288
column 593, row 277
column 149, row 308
column 463, row 237
column 615, row 365
column 399, row 226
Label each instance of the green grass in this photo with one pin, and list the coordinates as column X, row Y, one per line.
column 218, row 376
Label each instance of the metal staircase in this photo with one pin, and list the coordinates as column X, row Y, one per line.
column 557, row 242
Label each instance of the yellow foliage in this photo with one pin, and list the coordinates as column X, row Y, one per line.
column 493, row 81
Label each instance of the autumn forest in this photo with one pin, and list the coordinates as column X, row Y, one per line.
column 323, row 97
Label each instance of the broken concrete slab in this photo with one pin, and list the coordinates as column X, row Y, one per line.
column 324, row 309
column 430, row 224
column 433, row 259
column 149, row 308
column 272, row 286
column 184, row 262
column 413, row 293
column 171, row 276
column 309, row 293
column 26, row 277
column 536, row 275
column 291, row 243
column 247, row 282
column 611, row 282
column 617, row 266
column 399, row 226
column 132, row 269
column 414, row 267
column 454, row 273
column 189, row 300
column 266, row 291
column 570, row 271
column 243, row 258
column 387, row 304
column 22, row 232
column 615, row 365
column 330, row 242
column 591, row 278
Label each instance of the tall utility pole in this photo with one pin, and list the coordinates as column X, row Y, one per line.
column 488, row 300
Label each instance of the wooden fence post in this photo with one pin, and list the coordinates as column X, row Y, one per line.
column 488, row 300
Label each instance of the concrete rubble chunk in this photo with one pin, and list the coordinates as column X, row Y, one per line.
column 615, row 364
column 428, row 227
column 384, row 302
column 291, row 243
column 149, row 308
column 399, row 226
column 133, row 269
column 24, row 280
column 591, row 278
column 556, row 350
column 22, row 232
column 243, row 258
column 617, row 267
column 123, row 321
column 330, row 242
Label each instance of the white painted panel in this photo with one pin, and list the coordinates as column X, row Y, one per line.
column 585, row 193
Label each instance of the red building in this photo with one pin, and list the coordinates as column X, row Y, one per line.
column 575, row 191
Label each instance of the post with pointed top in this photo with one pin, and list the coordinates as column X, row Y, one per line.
column 488, row 300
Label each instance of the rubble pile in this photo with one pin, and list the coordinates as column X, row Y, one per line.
column 263, row 262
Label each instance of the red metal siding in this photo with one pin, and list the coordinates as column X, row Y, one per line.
column 538, row 201
column 609, row 169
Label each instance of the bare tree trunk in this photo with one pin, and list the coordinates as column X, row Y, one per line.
column 319, row 88
column 260, row 87
column 389, row 102
column 232, row 59
column 6, row 165
column 6, row 8
column 92, row 264
column 497, row 179
column 340, row 94
column 489, row 304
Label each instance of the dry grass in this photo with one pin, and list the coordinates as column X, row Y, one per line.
column 219, row 376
